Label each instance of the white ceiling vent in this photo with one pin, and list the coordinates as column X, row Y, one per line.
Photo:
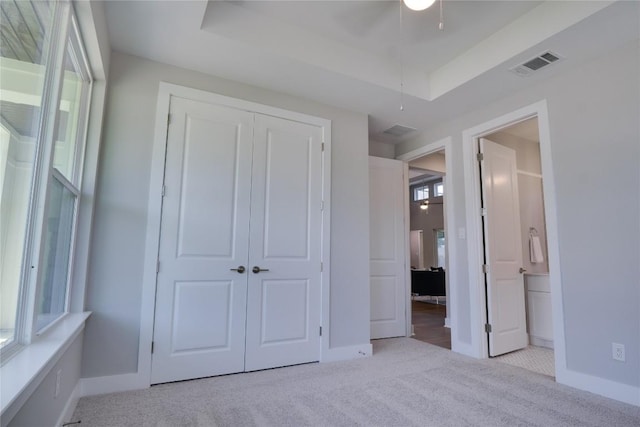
column 535, row 64
column 398, row 130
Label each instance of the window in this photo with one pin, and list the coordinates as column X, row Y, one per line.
column 440, row 247
column 420, row 193
column 45, row 86
column 438, row 189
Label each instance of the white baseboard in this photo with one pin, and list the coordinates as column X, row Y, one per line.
column 112, row 384
column 464, row 348
column 540, row 342
column 607, row 388
column 346, row 353
column 447, row 322
column 70, row 406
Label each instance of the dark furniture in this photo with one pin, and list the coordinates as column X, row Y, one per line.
column 428, row 282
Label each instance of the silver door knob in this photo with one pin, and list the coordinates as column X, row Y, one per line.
column 522, row 270
column 257, row 269
column 240, row 269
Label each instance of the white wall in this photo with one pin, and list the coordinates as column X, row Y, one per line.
column 43, row 408
column 117, row 253
column 594, row 131
column 381, row 149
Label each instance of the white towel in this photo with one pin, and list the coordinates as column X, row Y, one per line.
column 535, row 249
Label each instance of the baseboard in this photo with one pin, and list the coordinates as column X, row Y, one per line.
column 112, row 384
column 464, row 348
column 540, row 342
column 603, row 387
column 447, row 322
column 346, row 353
column 70, row 406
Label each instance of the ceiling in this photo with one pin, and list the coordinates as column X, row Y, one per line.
column 353, row 54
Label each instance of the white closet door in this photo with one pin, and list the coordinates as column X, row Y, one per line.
column 201, row 301
column 503, row 245
column 283, row 309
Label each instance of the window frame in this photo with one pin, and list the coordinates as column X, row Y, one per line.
column 64, row 34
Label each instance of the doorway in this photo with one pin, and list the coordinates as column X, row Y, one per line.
column 479, row 257
column 535, row 352
column 428, row 246
column 238, row 283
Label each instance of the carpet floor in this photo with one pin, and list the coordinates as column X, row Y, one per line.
column 405, row 383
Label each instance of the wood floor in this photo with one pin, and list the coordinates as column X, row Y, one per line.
column 428, row 324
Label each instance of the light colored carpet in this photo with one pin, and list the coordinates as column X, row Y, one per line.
column 405, row 383
column 536, row 359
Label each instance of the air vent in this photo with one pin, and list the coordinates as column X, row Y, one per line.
column 399, row 131
column 535, row 64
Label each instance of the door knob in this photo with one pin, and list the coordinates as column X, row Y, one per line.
column 522, row 270
column 240, row 269
column 257, row 269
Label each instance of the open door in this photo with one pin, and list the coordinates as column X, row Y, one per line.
column 388, row 247
column 503, row 249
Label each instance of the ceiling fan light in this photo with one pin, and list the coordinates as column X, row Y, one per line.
column 424, row 205
column 418, row 4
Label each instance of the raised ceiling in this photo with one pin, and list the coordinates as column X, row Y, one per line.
column 350, row 53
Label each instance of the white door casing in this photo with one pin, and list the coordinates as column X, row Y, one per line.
column 388, row 248
column 503, row 248
column 241, row 190
column 283, row 309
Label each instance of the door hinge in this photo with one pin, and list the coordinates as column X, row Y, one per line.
column 322, row 205
column 320, row 330
column 485, row 268
column 480, row 157
column 163, row 191
column 321, row 266
column 487, row 328
column 157, row 267
column 152, row 345
column 483, row 211
column 168, row 119
column 323, row 146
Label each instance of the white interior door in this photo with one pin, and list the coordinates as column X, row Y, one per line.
column 387, row 236
column 505, row 281
column 201, row 302
column 283, row 310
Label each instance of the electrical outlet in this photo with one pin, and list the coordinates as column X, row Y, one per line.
column 58, row 378
column 617, row 351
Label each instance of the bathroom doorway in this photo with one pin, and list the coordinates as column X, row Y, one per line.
column 516, row 276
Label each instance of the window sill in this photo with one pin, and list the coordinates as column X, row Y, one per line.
column 22, row 374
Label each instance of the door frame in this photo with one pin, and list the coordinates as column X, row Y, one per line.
column 475, row 248
column 445, row 144
column 142, row 378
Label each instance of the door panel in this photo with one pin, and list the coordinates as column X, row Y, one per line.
column 387, row 248
column 505, row 283
column 283, row 308
column 200, row 303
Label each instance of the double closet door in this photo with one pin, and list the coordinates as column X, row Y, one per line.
column 238, row 285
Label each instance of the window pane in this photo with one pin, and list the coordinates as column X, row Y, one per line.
column 438, row 189
column 57, row 254
column 24, row 40
column 74, row 92
column 420, row 193
column 440, row 247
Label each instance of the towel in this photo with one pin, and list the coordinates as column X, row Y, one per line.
column 535, row 249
